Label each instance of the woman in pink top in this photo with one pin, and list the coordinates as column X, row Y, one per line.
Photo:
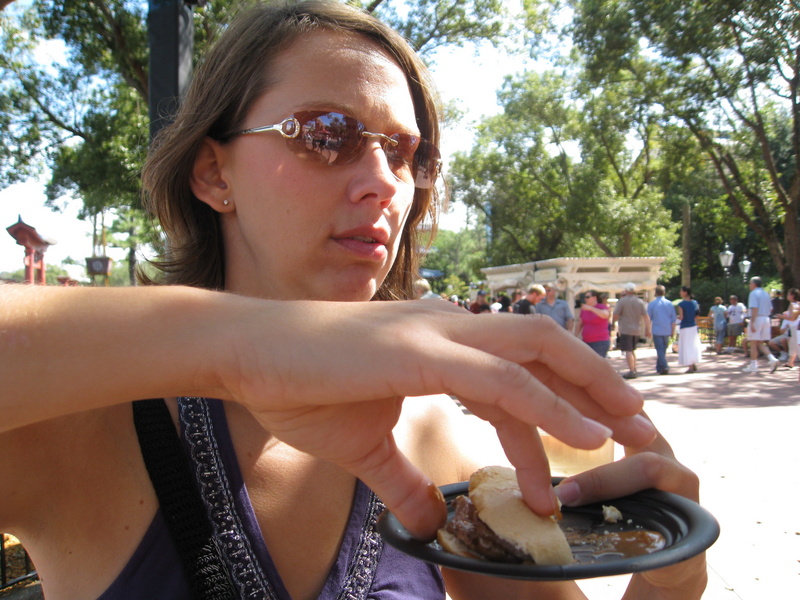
column 592, row 327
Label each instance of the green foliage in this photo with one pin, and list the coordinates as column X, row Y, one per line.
column 559, row 176
column 459, row 256
column 430, row 24
column 726, row 71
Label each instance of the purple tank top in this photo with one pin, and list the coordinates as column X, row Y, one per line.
column 365, row 569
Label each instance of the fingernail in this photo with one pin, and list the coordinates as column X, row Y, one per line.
column 569, row 492
column 634, row 393
column 436, row 495
column 643, row 423
column 597, row 428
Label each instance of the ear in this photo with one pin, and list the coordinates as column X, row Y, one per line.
column 208, row 181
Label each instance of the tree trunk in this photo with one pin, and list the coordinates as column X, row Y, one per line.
column 686, row 239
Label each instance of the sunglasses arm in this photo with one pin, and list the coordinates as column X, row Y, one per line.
column 288, row 128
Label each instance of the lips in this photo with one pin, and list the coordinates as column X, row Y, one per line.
column 364, row 238
column 368, row 243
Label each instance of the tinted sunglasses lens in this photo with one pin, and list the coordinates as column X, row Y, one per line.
column 336, row 139
column 413, row 159
column 331, row 138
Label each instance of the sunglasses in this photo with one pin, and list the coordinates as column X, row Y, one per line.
column 336, row 139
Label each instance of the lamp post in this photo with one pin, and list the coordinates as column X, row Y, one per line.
column 744, row 268
column 726, row 260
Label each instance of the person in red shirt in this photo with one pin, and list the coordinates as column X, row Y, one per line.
column 592, row 326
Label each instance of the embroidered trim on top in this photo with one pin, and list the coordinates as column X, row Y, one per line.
column 229, row 532
column 361, row 573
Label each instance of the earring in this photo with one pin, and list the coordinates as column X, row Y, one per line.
column 226, row 202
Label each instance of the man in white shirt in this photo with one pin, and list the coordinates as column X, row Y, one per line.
column 735, row 313
column 759, row 331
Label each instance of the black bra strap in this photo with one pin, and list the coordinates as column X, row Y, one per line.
column 184, row 511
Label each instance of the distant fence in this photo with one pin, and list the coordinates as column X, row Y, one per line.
column 15, row 564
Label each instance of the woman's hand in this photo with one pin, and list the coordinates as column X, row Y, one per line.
column 330, row 379
column 650, row 466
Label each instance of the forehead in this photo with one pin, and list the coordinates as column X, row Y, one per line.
column 346, row 72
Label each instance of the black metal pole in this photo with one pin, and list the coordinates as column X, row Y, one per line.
column 171, row 37
column 727, row 274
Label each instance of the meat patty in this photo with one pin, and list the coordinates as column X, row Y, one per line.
column 478, row 538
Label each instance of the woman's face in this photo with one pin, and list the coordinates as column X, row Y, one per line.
column 299, row 229
column 591, row 299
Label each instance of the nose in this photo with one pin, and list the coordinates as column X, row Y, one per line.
column 373, row 179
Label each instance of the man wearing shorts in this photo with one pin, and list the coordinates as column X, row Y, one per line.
column 735, row 313
column 630, row 311
column 759, row 331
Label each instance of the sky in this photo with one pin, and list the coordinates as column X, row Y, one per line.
column 460, row 75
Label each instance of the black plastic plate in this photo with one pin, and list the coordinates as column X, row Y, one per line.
column 687, row 527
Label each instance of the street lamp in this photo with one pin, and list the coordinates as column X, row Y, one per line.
column 744, row 268
column 726, row 260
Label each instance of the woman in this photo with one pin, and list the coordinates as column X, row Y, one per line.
column 689, row 349
column 292, row 182
column 792, row 317
column 719, row 313
column 592, row 325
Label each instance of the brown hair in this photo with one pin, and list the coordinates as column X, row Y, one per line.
column 232, row 76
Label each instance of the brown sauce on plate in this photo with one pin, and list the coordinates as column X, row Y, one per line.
column 597, row 546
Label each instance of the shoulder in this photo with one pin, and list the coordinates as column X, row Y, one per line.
column 439, row 436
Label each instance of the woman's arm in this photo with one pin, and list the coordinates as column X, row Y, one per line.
column 793, row 312
column 66, row 350
column 328, row 378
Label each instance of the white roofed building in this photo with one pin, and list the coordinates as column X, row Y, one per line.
column 573, row 276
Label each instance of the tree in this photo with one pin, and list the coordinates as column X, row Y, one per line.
column 558, row 174
column 459, row 256
column 729, row 71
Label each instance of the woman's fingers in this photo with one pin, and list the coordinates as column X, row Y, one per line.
column 540, row 342
column 407, row 493
column 627, row 476
column 525, row 451
column 499, row 391
column 628, row 430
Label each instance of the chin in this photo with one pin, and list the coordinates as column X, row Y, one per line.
column 351, row 285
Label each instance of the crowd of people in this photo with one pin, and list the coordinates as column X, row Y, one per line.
column 668, row 323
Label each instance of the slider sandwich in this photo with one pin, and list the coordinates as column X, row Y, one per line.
column 494, row 523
